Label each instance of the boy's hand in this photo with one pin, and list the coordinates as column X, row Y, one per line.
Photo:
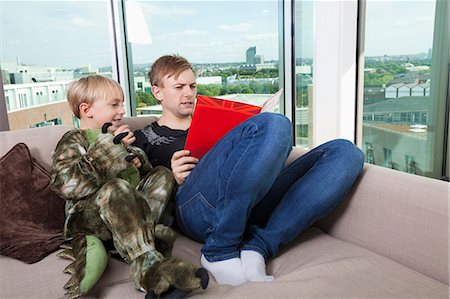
column 182, row 165
column 127, row 140
column 137, row 162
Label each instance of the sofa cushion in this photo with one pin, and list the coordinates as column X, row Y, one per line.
column 32, row 215
column 315, row 265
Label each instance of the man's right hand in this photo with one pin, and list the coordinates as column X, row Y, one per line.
column 182, row 164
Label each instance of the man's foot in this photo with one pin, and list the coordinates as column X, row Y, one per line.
column 226, row 271
column 254, row 266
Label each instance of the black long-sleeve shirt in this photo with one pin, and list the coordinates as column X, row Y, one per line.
column 159, row 143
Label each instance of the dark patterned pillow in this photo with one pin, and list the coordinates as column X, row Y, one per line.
column 31, row 214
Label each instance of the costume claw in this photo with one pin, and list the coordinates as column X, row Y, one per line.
column 105, row 127
column 150, row 295
column 204, row 277
column 175, row 294
column 131, row 157
column 119, row 137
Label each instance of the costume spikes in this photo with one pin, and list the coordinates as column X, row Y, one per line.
column 70, row 269
column 73, row 281
column 73, row 292
column 66, row 246
column 66, row 254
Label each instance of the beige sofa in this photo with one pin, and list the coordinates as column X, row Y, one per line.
column 389, row 239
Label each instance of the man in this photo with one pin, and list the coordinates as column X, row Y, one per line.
column 240, row 200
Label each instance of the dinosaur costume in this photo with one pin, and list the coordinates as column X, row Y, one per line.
column 106, row 200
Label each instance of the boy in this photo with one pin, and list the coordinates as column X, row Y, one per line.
column 99, row 174
column 240, row 199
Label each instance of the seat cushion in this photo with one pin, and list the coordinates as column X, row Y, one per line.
column 316, row 265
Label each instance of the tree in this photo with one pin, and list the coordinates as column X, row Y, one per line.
column 144, row 99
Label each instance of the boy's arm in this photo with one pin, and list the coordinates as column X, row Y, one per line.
column 79, row 169
column 145, row 164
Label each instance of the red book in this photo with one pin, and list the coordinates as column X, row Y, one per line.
column 213, row 118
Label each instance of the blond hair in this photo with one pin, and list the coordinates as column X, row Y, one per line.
column 90, row 89
column 168, row 65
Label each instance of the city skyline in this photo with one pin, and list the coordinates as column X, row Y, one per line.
column 83, row 29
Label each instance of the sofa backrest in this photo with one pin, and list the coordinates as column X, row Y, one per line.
column 42, row 141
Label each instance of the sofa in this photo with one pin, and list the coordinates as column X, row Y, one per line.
column 388, row 239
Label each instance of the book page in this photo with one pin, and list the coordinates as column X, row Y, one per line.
column 273, row 103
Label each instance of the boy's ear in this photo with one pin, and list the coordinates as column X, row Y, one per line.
column 85, row 110
column 157, row 92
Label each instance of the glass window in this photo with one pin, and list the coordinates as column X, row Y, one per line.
column 46, row 45
column 234, row 47
column 303, row 71
column 406, row 53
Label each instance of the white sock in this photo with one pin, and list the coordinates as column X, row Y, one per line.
column 226, row 271
column 254, row 266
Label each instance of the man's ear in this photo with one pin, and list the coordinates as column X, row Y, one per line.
column 85, row 110
column 157, row 92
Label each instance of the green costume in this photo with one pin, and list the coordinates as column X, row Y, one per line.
column 106, row 199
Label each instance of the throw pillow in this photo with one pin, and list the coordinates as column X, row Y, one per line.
column 31, row 214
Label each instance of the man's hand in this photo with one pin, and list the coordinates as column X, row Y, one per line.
column 127, row 140
column 182, row 165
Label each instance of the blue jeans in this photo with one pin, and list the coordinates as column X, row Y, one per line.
column 240, row 196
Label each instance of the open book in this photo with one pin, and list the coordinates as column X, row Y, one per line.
column 213, row 118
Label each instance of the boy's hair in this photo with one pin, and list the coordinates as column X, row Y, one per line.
column 167, row 65
column 90, row 89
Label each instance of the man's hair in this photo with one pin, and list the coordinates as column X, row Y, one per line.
column 167, row 65
column 90, row 89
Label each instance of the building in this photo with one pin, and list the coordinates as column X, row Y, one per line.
column 209, row 80
column 250, row 55
column 399, row 90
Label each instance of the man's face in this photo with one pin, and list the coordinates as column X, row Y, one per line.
column 177, row 96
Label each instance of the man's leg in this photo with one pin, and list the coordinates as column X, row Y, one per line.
column 213, row 204
column 306, row 190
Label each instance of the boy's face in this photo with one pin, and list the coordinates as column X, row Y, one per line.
column 105, row 110
column 177, row 96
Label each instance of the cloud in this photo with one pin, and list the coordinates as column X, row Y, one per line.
column 80, row 22
column 194, row 32
column 166, row 11
column 242, row 27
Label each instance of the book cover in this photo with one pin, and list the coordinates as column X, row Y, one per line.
column 214, row 117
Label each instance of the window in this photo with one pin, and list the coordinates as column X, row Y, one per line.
column 303, row 71
column 406, row 53
column 51, row 122
column 234, row 48
column 410, row 164
column 7, row 102
column 45, row 45
column 388, row 159
column 369, row 153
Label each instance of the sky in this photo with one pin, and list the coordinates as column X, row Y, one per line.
column 75, row 33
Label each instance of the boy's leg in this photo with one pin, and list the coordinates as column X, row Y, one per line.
column 213, row 204
column 306, row 190
column 134, row 239
column 156, row 189
column 124, row 217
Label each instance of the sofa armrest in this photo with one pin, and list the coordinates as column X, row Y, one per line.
column 401, row 216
